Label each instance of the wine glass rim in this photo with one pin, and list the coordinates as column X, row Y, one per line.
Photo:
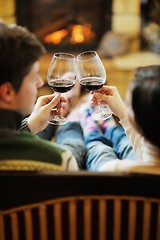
column 61, row 54
column 85, row 52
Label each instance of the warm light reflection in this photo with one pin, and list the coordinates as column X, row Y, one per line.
column 78, row 34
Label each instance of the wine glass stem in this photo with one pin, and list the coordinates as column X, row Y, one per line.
column 59, row 107
column 99, row 104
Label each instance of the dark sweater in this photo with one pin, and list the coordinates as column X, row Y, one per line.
column 19, row 146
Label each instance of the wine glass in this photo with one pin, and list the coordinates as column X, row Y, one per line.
column 92, row 76
column 61, row 78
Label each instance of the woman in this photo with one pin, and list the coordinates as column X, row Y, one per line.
column 140, row 119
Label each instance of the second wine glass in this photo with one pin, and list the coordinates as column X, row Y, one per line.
column 61, row 78
column 92, row 76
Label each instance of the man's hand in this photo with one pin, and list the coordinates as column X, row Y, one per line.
column 45, row 107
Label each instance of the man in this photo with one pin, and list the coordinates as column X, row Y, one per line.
column 19, row 82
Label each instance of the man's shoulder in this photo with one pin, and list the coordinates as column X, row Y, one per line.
column 24, row 145
column 27, row 146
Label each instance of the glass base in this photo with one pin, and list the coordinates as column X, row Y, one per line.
column 58, row 120
column 101, row 114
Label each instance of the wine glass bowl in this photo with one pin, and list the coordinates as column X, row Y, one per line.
column 61, row 78
column 92, row 76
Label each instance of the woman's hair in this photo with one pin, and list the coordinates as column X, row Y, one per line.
column 19, row 49
column 145, row 94
column 152, row 71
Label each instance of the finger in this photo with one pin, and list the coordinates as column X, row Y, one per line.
column 55, row 111
column 48, row 97
column 100, row 96
column 63, row 99
column 54, row 101
column 108, row 90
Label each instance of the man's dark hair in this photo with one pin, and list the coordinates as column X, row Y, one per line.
column 145, row 95
column 19, row 49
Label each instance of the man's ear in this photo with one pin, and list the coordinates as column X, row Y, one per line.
column 6, row 92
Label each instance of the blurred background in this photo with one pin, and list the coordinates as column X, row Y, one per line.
column 125, row 33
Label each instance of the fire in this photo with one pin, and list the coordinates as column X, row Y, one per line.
column 81, row 33
column 56, row 37
column 78, row 34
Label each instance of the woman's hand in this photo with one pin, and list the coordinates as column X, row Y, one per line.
column 110, row 95
column 45, row 107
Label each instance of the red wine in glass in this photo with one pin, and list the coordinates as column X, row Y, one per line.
column 92, row 76
column 61, row 78
column 91, row 83
column 62, row 86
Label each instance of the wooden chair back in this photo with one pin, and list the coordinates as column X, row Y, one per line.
column 79, row 206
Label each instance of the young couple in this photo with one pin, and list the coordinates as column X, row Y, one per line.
column 19, row 68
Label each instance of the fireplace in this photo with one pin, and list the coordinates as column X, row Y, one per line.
column 66, row 24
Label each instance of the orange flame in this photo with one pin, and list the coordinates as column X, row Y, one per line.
column 79, row 34
column 56, row 37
